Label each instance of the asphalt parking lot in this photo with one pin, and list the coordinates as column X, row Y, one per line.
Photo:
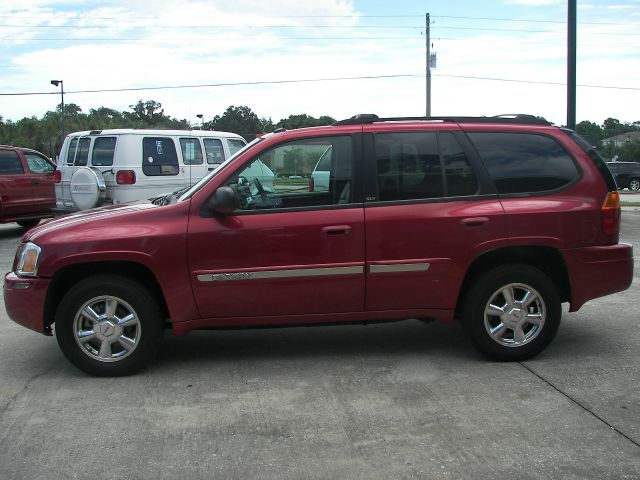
column 401, row 400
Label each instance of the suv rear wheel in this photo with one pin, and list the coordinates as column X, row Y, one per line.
column 108, row 325
column 512, row 312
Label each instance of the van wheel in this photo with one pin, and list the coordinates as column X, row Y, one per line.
column 108, row 325
column 28, row 223
column 634, row 184
column 512, row 312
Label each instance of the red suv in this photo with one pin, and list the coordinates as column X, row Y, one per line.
column 27, row 191
column 494, row 221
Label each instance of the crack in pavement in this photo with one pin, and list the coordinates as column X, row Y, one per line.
column 13, row 398
column 583, row 407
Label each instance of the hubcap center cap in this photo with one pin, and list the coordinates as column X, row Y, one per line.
column 107, row 329
column 514, row 316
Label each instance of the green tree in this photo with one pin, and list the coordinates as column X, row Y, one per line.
column 304, row 120
column 241, row 120
column 630, row 152
column 591, row 131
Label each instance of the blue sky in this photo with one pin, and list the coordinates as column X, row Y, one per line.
column 493, row 57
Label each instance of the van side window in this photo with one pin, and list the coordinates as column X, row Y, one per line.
column 10, row 163
column 83, row 152
column 408, row 166
column 524, row 162
column 104, row 149
column 235, row 145
column 159, row 156
column 460, row 176
column 214, row 150
column 71, row 154
column 191, row 151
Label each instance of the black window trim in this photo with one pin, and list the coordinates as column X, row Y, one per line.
column 530, row 194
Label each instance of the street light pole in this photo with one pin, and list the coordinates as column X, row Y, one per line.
column 61, row 84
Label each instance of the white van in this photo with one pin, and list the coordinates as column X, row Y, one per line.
column 121, row 165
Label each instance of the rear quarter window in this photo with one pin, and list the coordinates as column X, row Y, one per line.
column 524, row 162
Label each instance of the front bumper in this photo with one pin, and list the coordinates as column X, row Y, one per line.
column 598, row 271
column 24, row 300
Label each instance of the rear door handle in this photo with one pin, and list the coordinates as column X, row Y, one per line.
column 335, row 230
column 474, row 221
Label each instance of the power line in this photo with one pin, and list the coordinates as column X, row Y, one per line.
column 353, row 16
column 315, row 80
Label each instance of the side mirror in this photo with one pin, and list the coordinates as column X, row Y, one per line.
column 224, row 200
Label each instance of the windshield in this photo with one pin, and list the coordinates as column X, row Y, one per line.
column 186, row 195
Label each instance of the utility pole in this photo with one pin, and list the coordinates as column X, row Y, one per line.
column 571, row 65
column 428, row 40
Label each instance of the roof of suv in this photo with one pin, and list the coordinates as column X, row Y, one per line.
column 518, row 118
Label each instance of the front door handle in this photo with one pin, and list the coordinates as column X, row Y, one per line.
column 474, row 221
column 336, row 230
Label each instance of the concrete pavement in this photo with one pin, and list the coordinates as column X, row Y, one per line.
column 402, row 400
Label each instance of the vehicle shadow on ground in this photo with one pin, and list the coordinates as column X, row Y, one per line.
column 12, row 232
column 273, row 344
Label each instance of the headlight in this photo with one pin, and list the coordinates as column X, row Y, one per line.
column 28, row 262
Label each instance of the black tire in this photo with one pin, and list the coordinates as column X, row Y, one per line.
column 28, row 223
column 114, row 343
column 519, row 333
column 634, row 184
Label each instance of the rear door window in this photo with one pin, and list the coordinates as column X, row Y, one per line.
column 104, row 148
column 82, row 155
column 408, row 166
column 159, row 156
column 524, row 162
column 10, row 163
column 71, row 153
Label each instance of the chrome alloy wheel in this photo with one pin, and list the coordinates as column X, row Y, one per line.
column 107, row 328
column 634, row 185
column 514, row 315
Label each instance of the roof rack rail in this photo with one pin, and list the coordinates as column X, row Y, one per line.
column 516, row 118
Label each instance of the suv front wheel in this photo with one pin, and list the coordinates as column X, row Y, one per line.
column 512, row 312
column 108, row 325
column 634, row 184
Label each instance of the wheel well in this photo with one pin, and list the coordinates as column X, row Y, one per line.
column 548, row 260
column 67, row 277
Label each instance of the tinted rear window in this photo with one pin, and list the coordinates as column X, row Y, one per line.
column 524, row 162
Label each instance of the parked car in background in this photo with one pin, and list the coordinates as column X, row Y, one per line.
column 27, row 192
column 101, row 167
column 627, row 174
column 491, row 221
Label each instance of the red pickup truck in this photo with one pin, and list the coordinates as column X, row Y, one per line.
column 27, row 189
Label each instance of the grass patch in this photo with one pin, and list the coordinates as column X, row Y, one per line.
column 630, row 204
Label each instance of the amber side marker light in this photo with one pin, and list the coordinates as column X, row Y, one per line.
column 611, row 214
column 30, row 260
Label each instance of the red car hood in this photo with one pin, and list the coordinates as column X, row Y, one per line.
column 83, row 217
